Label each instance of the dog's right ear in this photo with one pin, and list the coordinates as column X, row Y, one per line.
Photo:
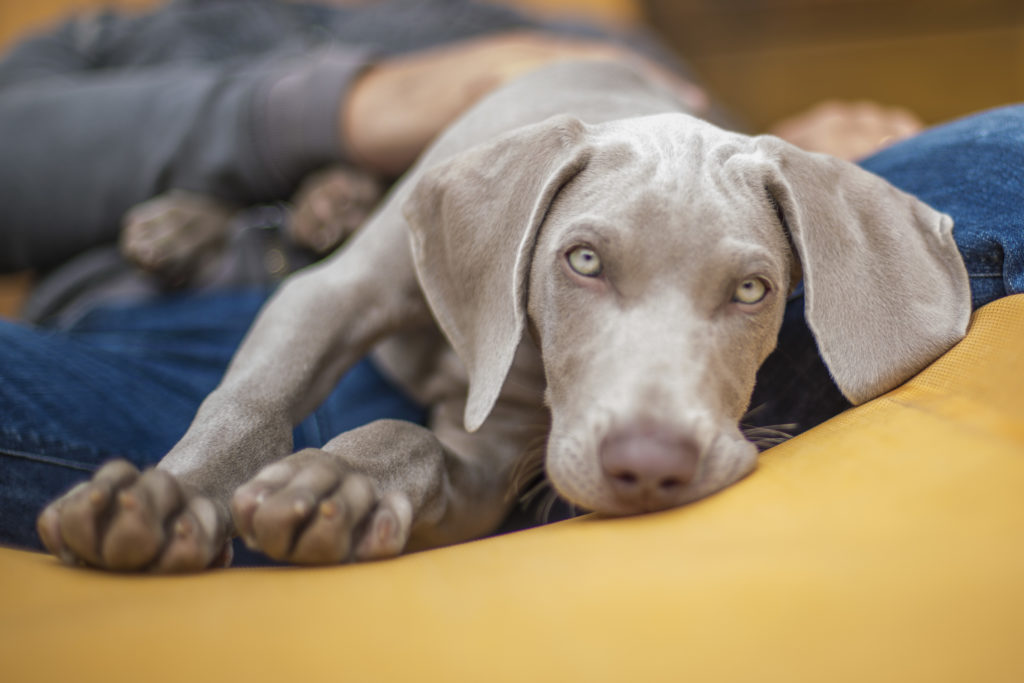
column 474, row 220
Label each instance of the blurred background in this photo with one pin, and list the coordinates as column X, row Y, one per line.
column 768, row 59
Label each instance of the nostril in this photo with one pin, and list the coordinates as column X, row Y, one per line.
column 627, row 478
column 649, row 467
column 670, row 484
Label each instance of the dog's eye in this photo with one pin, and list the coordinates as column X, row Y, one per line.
column 751, row 291
column 585, row 261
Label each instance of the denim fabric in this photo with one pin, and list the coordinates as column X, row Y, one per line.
column 972, row 169
column 125, row 381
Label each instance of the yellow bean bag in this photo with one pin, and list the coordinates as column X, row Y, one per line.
column 884, row 545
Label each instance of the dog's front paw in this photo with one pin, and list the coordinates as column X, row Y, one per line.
column 125, row 520
column 308, row 509
column 331, row 205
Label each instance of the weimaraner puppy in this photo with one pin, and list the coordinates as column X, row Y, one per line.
column 576, row 256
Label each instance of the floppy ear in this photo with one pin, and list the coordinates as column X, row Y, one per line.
column 474, row 220
column 886, row 289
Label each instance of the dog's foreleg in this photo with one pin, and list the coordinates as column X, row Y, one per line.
column 393, row 486
column 384, row 488
column 317, row 325
column 358, row 498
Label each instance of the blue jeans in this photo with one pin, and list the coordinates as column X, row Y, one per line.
column 125, row 381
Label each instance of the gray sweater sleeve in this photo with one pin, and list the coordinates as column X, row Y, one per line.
column 80, row 146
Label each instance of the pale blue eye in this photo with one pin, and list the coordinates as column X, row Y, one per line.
column 585, row 261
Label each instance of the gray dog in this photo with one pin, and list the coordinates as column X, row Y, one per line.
column 575, row 256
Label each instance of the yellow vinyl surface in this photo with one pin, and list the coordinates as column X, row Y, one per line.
column 884, row 545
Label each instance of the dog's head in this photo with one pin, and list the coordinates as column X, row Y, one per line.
column 651, row 259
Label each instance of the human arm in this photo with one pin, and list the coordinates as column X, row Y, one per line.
column 83, row 145
column 397, row 106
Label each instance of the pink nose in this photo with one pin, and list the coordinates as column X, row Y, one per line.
column 648, row 467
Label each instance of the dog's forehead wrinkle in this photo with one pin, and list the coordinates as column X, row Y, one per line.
column 676, row 127
column 679, row 142
column 678, row 207
column 650, row 147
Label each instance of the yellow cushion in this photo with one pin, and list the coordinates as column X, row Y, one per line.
column 885, row 545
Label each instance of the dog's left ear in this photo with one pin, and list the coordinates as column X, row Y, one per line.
column 886, row 289
column 474, row 220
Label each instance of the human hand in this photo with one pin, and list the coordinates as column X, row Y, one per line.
column 848, row 130
column 397, row 107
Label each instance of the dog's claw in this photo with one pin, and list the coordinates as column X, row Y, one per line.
column 127, row 501
column 388, row 530
column 328, row 509
column 319, row 514
column 127, row 521
column 182, row 528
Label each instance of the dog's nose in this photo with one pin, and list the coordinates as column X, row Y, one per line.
column 647, row 467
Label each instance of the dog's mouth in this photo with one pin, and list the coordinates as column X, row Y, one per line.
column 645, row 469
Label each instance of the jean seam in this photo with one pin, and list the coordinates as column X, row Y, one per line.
column 47, row 459
column 30, row 438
